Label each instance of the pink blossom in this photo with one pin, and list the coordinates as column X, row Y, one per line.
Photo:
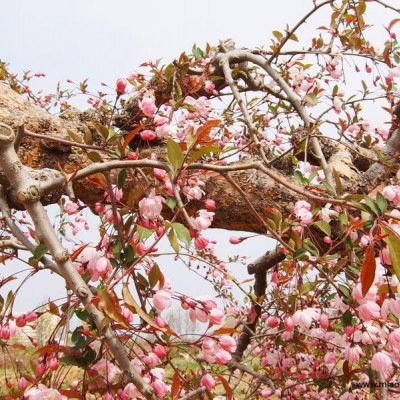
column 148, row 135
column 203, row 220
column 391, row 305
column 222, row 357
column 200, row 242
column 369, row 310
column 352, row 354
column 159, row 173
column 208, row 381
column 381, row 362
column 148, row 107
column 364, row 242
column 236, row 239
column 210, row 205
column 162, row 299
column 22, row 383
column 106, row 369
column 118, row 193
column 71, row 208
column 304, row 216
column 304, row 317
column 394, row 339
column 392, row 193
column 160, row 322
column 210, row 88
column 152, row 359
column 151, row 206
column 301, row 204
column 160, row 388
column 324, row 321
column 120, row 86
column 289, row 324
column 99, row 267
column 162, row 131
column 228, row 343
column 42, row 392
column 216, row 316
column 160, row 351
column 385, row 256
column 273, row 321
column 53, row 363
column 334, row 68
column 193, row 193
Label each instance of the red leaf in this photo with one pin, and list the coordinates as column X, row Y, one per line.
column 368, row 269
column 392, row 23
column 78, row 251
column 130, row 136
column 202, row 134
column 176, row 386
column 228, row 389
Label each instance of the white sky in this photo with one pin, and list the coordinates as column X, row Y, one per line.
column 103, row 40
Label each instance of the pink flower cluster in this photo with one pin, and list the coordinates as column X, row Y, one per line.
column 203, row 220
column 218, row 351
column 392, row 193
column 203, row 309
column 150, row 207
column 303, row 213
column 43, row 392
column 97, row 264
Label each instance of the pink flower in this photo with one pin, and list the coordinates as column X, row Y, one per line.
column 392, row 193
column 106, row 369
column 273, row 321
column 148, row 135
column 385, row 256
column 151, row 206
column 118, row 193
column 160, row 388
column 369, row 310
column 162, row 299
column 22, row 383
column 222, row 357
column 208, row 381
column 152, row 360
column 216, row 316
column 324, row 321
column 160, row 322
column 159, row 173
column 160, row 351
column 193, row 193
column 228, row 343
column 391, row 305
column 43, row 392
column 121, row 86
column 289, row 324
column 148, row 107
column 304, row 318
column 210, row 205
column 394, row 339
column 200, row 242
column 203, row 220
column 236, row 239
column 352, row 354
column 99, row 267
column 334, row 69
column 381, row 362
column 53, row 363
column 71, row 208
column 304, row 216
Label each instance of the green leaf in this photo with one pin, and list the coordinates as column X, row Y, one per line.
column 171, row 202
column 323, row 226
column 87, row 135
column 143, row 233
column 205, row 151
column 347, row 318
column 308, row 245
column 175, row 154
column 173, row 240
column 393, row 242
column 197, row 52
column 311, row 99
column 381, row 202
column 75, row 137
column 277, row 34
column 372, row 205
column 298, row 177
column 122, row 178
column 338, row 182
column 40, row 251
column 182, row 233
column 94, row 156
column 156, row 276
column 329, row 188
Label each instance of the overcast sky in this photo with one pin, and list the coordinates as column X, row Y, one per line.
column 103, row 40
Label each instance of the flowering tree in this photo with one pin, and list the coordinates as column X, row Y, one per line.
column 278, row 141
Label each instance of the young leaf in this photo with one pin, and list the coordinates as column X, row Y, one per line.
column 182, row 233
column 393, row 242
column 324, row 227
column 368, row 269
column 175, row 154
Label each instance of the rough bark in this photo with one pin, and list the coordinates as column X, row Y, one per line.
column 57, row 152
